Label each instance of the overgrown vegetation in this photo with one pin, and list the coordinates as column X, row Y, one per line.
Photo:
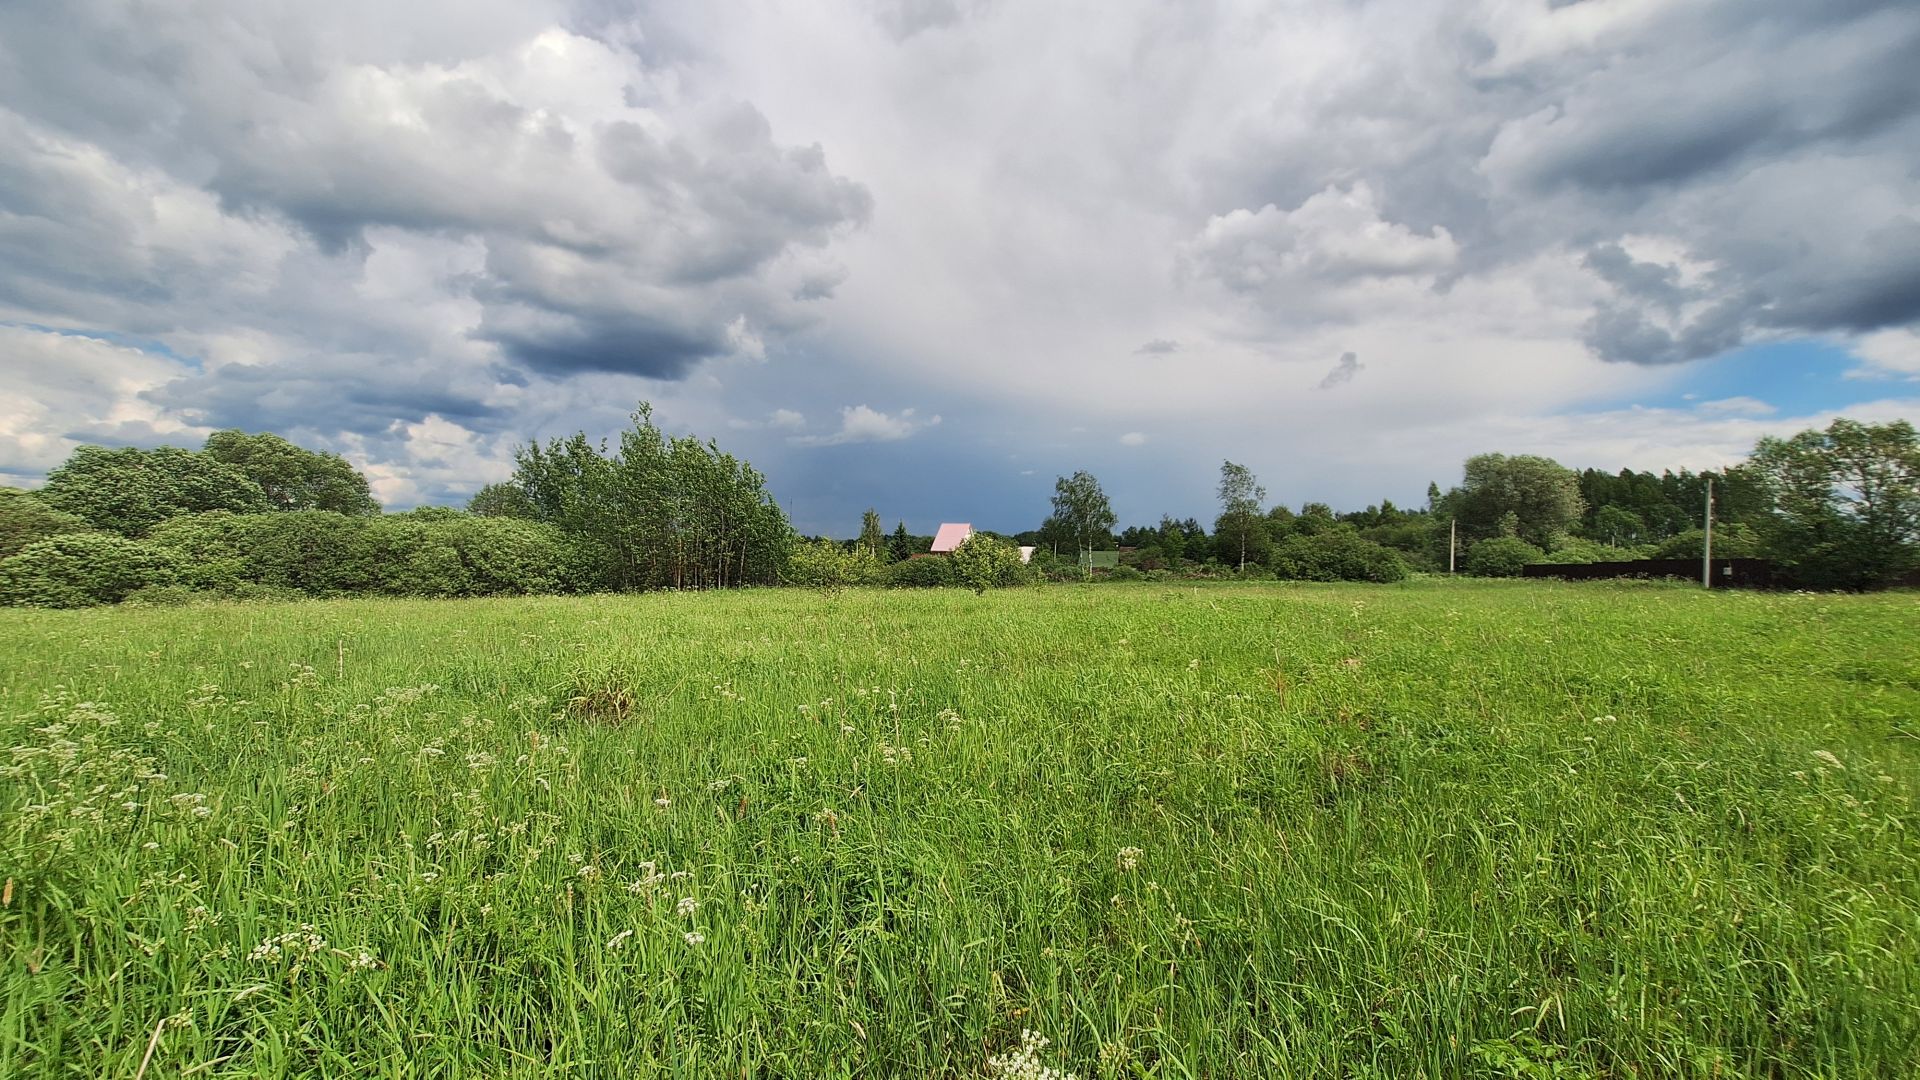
column 1442, row 830
column 253, row 515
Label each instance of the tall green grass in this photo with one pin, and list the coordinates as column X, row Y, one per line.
column 1500, row 830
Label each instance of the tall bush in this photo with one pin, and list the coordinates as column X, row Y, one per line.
column 83, row 569
column 1501, row 556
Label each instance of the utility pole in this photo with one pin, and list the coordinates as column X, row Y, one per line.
column 1706, row 545
column 1453, row 541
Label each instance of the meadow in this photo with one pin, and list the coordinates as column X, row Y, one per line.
column 1515, row 829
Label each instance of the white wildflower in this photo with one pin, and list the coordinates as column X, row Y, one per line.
column 1128, row 859
column 695, row 937
column 687, row 906
column 1024, row 1063
column 619, row 939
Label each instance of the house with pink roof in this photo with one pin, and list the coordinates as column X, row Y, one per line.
column 950, row 536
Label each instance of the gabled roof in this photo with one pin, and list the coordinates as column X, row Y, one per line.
column 950, row 535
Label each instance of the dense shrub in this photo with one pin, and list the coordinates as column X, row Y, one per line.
column 824, row 564
column 927, row 571
column 1337, row 554
column 983, row 562
column 25, row 519
column 323, row 553
column 505, row 556
column 1121, row 573
column 1731, row 541
column 1501, row 556
column 1574, row 551
column 82, row 569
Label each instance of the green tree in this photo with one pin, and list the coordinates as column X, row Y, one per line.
column 502, row 500
column 293, row 477
column 871, row 537
column 1541, row 495
column 983, row 562
column 129, row 491
column 1081, row 509
column 1842, row 505
column 1617, row 525
column 900, row 544
column 25, row 519
column 658, row 512
column 1239, row 522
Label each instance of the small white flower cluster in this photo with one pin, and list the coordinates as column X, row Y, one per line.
column 695, row 937
column 649, row 879
column 294, row 945
column 1128, row 859
column 1024, row 1063
column 686, row 907
column 616, row 941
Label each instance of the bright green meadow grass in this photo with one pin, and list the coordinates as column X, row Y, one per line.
column 1442, row 830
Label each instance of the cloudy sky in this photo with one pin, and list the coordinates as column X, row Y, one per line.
column 927, row 255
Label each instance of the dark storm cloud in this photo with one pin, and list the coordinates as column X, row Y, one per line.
column 632, row 348
column 359, row 394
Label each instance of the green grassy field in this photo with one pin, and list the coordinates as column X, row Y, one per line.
column 1500, row 830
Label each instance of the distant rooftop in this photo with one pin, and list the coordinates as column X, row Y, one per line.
column 950, row 535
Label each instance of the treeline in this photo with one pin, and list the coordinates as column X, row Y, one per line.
column 1836, row 509
column 256, row 516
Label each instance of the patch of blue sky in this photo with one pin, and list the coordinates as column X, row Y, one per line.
column 152, row 346
column 1797, row 378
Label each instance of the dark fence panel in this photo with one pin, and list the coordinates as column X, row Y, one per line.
column 1729, row 573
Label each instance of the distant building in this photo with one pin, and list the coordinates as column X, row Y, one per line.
column 950, row 536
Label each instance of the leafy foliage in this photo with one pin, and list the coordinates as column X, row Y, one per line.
column 1239, row 523
column 823, row 564
column 25, row 519
column 1501, row 556
column 658, row 512
column 1843, row 504
column 1081, row 510
column 1338, row 554
column 292, row 477
column 1537, row 498
column 81, row 569
column 130, row 491
column 923, row 572
column 501, row 500
column 983, row 562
